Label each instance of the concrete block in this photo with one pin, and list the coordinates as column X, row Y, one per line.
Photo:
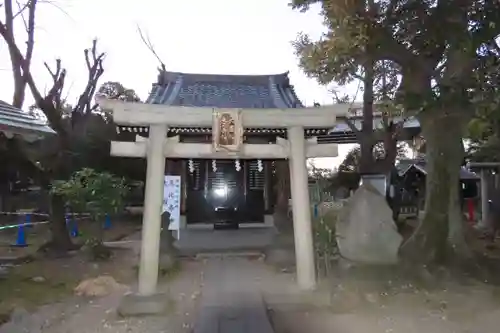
column 139, row 305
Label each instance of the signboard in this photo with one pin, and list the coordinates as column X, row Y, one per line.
column 172, row 200
column 227, row 130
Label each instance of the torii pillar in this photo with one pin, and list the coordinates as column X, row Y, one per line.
column 302, row 224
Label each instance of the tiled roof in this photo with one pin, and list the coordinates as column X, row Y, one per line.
column 421, row 164
column 224, row 91
column 14, row 121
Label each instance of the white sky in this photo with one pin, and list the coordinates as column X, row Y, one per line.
column 199, row 36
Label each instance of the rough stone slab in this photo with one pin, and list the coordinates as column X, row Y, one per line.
column 138, row 305
column 367, row 233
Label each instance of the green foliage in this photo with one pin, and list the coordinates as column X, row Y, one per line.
column 325, row 241
column 445, row 55
column 446, row 45
column 116, row 90
column 351, row 162
column 483, row 131
column 96, row 193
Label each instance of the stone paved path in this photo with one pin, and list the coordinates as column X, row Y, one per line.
column 193, row 241
column 231, row 300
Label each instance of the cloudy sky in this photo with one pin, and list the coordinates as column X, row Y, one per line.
column 199, row 36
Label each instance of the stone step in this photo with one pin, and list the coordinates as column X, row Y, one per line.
column 243, row 254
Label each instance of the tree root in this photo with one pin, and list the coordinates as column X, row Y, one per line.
column 55, row 249
column 97, row 251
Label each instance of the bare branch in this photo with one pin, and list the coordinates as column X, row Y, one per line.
column 21, row 9
column 352, row 126
column 30, row 30
column 20, row 63
column 94, row 61
column 145, row 39
column 58, row 79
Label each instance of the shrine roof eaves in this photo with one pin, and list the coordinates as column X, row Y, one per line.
column 16, row 121
column 224, row 91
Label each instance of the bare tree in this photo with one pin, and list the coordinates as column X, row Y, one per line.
column 27, row 13
column 52, row 104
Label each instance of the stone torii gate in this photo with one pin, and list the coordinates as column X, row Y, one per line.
column 223, row 121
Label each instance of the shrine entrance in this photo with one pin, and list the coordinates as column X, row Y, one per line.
column 217, row 193
column 228, row 143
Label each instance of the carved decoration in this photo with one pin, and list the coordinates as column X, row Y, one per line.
column 227, row 130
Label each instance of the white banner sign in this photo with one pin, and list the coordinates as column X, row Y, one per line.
column 172, row 200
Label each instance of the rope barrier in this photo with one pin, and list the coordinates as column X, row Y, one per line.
column 70, row 222
column 11, row 226
column 23, row 213
column 41, row 214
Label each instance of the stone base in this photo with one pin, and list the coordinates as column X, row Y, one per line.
column 138, row 305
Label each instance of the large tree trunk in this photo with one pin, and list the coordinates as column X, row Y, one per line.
column 429, row 243
column 456, row 221
column 60, row 240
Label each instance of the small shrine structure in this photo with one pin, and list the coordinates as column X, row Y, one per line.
column 209, row 122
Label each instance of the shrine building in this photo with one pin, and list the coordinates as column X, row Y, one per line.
column 223, row 135
column 227, row 190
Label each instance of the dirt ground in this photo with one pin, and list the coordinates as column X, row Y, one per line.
column 39, row 298
column 464, row 309
column 42, row 280
column 48, row 305
column 358, row 303
column 381, row 304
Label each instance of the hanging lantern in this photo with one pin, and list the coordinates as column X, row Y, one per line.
column 237, row 165
column 260, row 167
column 214, row 166
column 191, row 166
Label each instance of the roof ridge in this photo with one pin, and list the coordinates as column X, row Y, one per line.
column 164, row 77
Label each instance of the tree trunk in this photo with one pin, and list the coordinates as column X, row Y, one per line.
column 366, row 163
column 456, row 222
column 60, row 241
column 429, row 245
